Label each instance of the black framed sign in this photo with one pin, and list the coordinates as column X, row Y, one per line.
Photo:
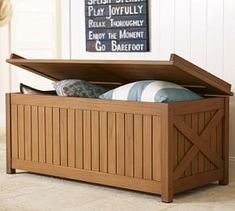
column 117, row 25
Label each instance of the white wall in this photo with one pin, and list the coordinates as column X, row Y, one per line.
column 202, row 31
column 33, row 33
column 4, row 71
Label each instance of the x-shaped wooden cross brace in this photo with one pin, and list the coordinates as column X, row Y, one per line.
column 199, row 142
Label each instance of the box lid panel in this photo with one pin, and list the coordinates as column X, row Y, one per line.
column 177, row 70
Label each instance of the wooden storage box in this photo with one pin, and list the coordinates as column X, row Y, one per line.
column 161, row 148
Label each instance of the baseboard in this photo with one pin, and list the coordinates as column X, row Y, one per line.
column 232, row 165
column 2, row 134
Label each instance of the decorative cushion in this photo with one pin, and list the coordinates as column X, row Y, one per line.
column 24, row 89
column 78, row 88
column 151, row 91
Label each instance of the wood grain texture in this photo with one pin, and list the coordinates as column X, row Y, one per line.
column 197, row 181
column 35, row 135
column 120, row 148
column 188, row 144
column 147, row 147
column 42, row 134
column 9, row 169
column 195, row 164
column 200, row 141
column 95, row 141
column 185, row 162
column 129, row 145
column 112, row 143
column 206, row 161
column 71, row 138
column 148, row 186
column 79, row 146
column 181, row 143
column 201, row 158
column 178, row 108
column 167, row 154
column 114, row 106
column 87, row 139
column 56, row 137
column 157, row 148
column 14, row 130
column 103, row 142
column 138, row 146
column 64, row 136
column 213, row 140
column 220, row 139
column 225, row 144
column 175, row 146
column 21, row 132
column 49, row 135
column 28, row 132
column 120, row 121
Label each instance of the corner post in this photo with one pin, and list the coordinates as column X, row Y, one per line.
column 225, row 145
column 9, row 169
column 167, row 154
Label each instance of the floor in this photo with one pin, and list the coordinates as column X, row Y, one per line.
column 31, row 192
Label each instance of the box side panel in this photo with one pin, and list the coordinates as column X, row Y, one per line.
column 199, row 142
column 167, row 152
column 225, row 143
column 103, row 141
column 9, row 169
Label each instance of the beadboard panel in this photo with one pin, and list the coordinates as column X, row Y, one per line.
column 198, row 32
column 166, row 31
column 215, row 37
column 182, row 36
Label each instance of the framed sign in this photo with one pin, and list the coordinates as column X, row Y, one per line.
column 117, row 25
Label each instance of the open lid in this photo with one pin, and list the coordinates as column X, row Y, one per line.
column 177, row 70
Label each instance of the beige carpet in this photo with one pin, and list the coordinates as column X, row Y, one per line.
column 24, row 191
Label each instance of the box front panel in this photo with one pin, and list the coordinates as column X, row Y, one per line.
column 117, row 143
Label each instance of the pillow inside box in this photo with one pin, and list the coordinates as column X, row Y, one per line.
column 151, row 91
column 78, row 88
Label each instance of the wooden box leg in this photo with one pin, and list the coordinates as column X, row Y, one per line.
column 224, row 181
column 167, row 197
column 9, row 169
column 225, row 145
column 167, row 156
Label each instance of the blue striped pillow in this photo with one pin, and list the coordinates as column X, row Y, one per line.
column 151, row 91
